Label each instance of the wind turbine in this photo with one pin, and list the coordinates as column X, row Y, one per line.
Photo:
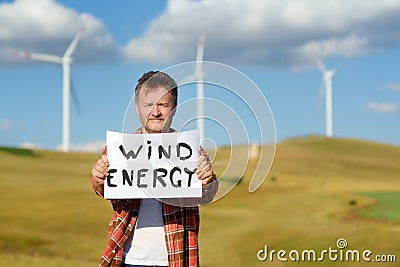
column 65, row 61
column 327, row 76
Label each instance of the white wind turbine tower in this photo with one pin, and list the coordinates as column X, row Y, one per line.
column 199, row 74
column 65, row 61
column 327, row 78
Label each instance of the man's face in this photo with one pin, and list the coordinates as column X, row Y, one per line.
column 155, row 109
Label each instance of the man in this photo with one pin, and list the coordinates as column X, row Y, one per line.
column 146, row 232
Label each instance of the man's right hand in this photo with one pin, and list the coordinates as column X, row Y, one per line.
column 99, row 173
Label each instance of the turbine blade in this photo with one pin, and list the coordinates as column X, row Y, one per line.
column 200, row 55
column 198, row 73
column 188, row 79
column 72, row 46
column 75, row 100
column 320, row 65
column 200, row 47
column 38, row 56
column 321, row 94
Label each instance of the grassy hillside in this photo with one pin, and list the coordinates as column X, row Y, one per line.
column 317, row 192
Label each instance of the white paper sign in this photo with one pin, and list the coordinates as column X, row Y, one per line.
column 152, row 165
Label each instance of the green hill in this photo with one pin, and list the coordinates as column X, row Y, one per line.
column 317, row 191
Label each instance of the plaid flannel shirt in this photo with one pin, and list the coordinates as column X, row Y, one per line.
column 181, row 227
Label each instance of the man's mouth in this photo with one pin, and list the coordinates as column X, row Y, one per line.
column 156, row 120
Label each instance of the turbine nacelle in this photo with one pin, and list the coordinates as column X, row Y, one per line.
column 67, row 60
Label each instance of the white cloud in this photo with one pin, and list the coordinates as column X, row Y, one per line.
column 7, row 126
column 393, row 86
column 30, row 145
column 94, row 146
column 383, row 107
column 270, row 33
column 277, row 34
column 48, row 27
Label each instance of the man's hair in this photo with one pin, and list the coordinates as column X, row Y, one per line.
column 155, row 79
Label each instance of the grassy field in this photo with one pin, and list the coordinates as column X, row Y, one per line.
column 317, row 192
column 387, row 206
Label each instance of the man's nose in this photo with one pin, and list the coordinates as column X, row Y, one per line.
column 155, row 111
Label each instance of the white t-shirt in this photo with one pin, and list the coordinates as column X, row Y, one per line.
column 146, row 244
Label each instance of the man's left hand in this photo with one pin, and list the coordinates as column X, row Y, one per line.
column 204, row 171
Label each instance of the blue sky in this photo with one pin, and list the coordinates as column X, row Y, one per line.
column 273, row 43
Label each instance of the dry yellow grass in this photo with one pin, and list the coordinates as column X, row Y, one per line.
column 50, row 217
